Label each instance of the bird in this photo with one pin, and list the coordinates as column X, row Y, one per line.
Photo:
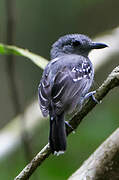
column 65, row 84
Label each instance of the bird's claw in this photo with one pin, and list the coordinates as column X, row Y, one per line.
column 67, row 123
column 91, row 94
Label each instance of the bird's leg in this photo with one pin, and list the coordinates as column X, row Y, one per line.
column 67, row 123
column 92, row 95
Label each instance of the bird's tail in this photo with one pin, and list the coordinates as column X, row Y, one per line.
column 57, row 137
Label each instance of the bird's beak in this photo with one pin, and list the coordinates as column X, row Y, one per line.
column 98, row 45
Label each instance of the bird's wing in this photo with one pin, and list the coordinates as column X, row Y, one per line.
column 70, row 85
column 43, row 93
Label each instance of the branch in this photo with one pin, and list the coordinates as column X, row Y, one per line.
column 111, row 82
column 103, row 163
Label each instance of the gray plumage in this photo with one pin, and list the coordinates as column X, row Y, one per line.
column 65, row 82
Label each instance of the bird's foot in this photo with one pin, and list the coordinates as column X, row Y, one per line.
column 67, row 123
column 91, row 94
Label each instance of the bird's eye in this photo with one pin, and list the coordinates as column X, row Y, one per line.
column 76, row 43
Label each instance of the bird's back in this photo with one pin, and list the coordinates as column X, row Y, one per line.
column 65, row 82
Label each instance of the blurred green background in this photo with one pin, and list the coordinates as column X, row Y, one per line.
column 37, row 25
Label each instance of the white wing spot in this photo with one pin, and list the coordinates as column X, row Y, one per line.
column 77, row 79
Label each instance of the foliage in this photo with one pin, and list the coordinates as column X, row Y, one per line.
column 8, row 50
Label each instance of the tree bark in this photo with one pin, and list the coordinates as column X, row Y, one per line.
column 103, row 164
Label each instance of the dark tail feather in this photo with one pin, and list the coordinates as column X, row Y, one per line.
column 57, row 137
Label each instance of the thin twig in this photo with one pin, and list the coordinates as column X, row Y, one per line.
column 111, row 82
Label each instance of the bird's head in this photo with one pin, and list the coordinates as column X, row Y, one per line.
column 74, row 44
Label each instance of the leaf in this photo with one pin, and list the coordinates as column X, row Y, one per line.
column 36, row 59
